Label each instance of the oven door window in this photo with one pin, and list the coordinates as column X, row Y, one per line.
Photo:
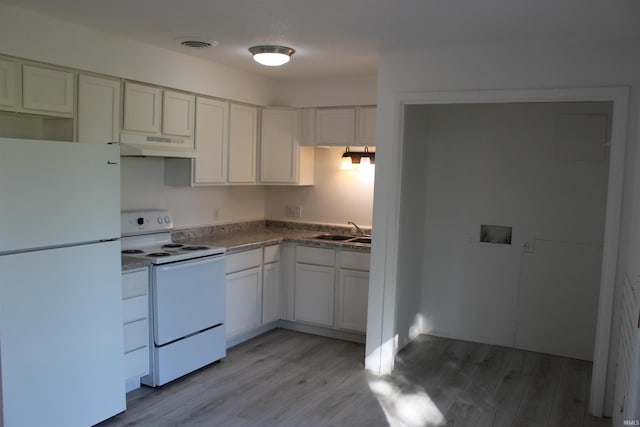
column 187, row 297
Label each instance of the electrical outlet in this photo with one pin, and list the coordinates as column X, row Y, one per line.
column 216, row 214
column 294, row 211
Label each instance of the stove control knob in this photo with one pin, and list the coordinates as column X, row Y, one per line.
column 167, row 220
column 140, row 220
column 159, row 220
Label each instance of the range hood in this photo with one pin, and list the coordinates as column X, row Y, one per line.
column 137, row 145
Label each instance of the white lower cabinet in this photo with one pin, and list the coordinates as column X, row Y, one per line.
column 135, row 320
column 314, row 294
column 271, row 285
column 244, row 292
column 353, row 290
column 353, row 294
column 331, row 288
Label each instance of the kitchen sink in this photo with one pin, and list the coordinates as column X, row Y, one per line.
column 334, row 237
column 361, row 240
column 343, row 238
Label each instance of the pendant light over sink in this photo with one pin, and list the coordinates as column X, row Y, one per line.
column 271, row 55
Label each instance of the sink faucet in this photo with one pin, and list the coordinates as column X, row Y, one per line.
column 359, row 231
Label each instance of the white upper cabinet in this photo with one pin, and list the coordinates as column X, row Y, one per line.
column 178, row 113
column 157, row 111
column 211, row 137
column 366, row 121
column 98, row 109
column 46, row 90
column 142, row 106
column 243, row 144
column 282, row 160
column 8, row 83
column 279, row 145
column 308, row 127
column 339, row 126
column 335, row 126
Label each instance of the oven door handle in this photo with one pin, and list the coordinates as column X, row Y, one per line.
column 190, row 263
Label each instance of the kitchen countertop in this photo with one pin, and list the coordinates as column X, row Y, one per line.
column 131, row 263
column 255, row 234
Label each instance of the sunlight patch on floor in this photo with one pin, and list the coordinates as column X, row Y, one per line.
column 405, row 408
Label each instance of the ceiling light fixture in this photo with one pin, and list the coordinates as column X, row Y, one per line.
column 271, row 55
column 364, row 159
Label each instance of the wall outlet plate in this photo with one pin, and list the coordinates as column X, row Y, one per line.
column 294, row 211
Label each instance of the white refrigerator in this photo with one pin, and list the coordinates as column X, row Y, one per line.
column 61, row 337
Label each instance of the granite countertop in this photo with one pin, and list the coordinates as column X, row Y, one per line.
column 255, row 234
column 131, row 263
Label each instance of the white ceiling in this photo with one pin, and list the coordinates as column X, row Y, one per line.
column 341, row 37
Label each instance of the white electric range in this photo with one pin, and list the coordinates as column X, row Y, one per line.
column 186, row 298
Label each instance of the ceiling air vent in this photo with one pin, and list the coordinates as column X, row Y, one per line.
column 196, row 42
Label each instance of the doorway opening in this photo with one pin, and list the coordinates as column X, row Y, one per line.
column 389, row 285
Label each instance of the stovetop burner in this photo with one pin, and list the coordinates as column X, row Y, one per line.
column 158, row 254
column 146, row 234
column 172, row 246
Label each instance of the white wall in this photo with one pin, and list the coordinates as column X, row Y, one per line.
column 410, row 320
column 337, row 196
column 530, row 66
column 330, row 91
column 500, row 164
column 40, row 38
column 143, row 188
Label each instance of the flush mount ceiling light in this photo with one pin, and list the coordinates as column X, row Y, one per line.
column 196, row 42
column 271, row 55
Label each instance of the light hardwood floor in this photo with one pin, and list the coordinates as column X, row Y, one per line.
column 285, row 378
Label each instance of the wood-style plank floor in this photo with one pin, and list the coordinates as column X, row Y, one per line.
column 285, row 378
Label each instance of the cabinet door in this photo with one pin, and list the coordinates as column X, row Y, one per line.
column 335, row 126
column 244, row 301
column 366, row 134
column 47, row 90
column 314, row 287
column 98, row 109
column 308, row 127
column 8, row 83
column 243, row 125
column 177, row 113
column 279, row 146
column 353, row 294
column 271, row 300
column 142, row 108
column 212, row 130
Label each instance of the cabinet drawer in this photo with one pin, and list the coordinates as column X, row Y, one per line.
column 135, row 308
column 135, row 284
column 136, row 335
column 243, row 260
column 271, row 254
column 318, row 256
column 136, row 363
column 355, row 260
